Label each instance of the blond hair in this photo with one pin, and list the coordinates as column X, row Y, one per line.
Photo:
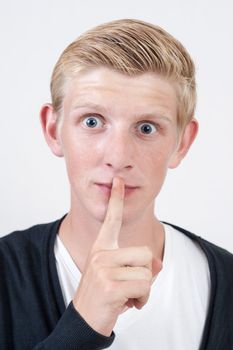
column 131, row 47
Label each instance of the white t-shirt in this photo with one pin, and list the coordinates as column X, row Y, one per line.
column 175, row 313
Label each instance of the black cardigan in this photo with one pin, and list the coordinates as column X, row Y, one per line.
column 32, row 309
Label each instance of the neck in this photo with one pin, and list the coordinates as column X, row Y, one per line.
column 78, row 233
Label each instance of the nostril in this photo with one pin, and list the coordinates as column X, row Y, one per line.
column 123, row 167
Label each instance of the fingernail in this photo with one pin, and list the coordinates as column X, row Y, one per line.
column 117, row 181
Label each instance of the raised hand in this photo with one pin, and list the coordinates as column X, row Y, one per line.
column 114, row 278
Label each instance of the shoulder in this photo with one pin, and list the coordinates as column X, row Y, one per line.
column 28, row 240
column 218, row 331
column 215, row 254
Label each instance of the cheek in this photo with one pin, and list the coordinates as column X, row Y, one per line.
column 154, row 167
column 80, row 157
column 79, row 161
column 156, row 162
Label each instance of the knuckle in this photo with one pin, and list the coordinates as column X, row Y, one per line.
column 148, row 252
column 97, row 258
column 113, row 220
column 142, row 272
column 148, row 275
column 103, row 275
column 109, row 289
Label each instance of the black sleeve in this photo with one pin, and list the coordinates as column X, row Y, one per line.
column 73, row 333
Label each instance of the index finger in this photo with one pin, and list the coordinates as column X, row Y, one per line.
column 109, row 232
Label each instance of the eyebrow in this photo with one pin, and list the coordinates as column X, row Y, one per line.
column 154, row 116
column 87, row 105
column 94, row 105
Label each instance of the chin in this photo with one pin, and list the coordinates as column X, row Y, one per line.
column 98, row 212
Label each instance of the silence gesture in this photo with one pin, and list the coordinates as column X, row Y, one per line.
column 114, row 278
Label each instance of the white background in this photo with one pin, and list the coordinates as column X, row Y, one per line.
column 33, row 187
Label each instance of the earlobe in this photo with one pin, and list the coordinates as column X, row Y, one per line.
column 48, row 119
column 188, row 136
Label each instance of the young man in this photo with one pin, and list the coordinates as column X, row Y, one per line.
column 109, row 273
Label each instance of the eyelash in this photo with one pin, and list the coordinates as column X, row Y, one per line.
column 93, row 116
column 155, row 126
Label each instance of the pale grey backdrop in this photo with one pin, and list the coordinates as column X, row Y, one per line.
column 33, row 186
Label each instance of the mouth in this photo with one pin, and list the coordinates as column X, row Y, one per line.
column 107, row 187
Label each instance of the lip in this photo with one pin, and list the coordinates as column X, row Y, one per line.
column 106, row 188
column 109, row 185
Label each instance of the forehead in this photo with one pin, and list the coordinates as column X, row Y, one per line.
column 106, row 87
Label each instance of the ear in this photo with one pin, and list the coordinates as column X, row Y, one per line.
column 48, row 119
column 186, row 139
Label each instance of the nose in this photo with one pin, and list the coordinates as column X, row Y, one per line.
column 118, row 153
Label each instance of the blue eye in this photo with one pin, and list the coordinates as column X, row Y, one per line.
column 147, row 128
column 92, row 122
